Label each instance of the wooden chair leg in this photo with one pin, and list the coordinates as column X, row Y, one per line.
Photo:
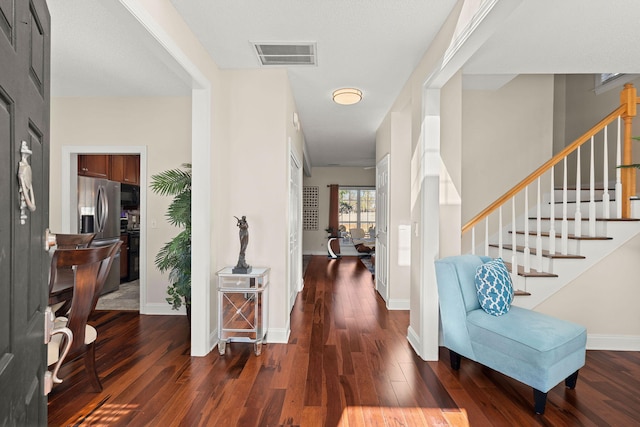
column 455, row 360
column 540, row 400
column 90, row 366
column 571, row 380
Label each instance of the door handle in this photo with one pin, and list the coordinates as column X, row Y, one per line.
column 51, row 378
column 102, row 208
column 25, row 180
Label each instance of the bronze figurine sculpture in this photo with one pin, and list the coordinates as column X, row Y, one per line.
column 242, row 266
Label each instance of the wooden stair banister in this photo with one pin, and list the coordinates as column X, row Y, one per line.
column 542, row 169
column 629, row 100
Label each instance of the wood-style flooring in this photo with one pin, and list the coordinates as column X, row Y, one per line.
column 347, row 363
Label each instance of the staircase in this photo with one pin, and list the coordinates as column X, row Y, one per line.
column 566, row 231
column 553, row 269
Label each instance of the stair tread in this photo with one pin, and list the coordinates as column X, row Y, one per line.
column 547, row 218
column 569, row 236
column 545, row 253
column 532, row 272
column 573, row 188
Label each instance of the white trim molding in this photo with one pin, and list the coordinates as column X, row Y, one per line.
column 278, row 335
column 163, row 309
column 613, row 342
column 399, row 304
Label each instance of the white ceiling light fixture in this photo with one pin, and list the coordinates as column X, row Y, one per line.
column 347, row 96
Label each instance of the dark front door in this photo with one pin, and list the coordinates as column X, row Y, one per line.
column 24, row 263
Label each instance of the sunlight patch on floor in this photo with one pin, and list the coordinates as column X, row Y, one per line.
column 108, row 414
column 403, row 416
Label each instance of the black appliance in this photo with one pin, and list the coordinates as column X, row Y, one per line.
column 129, row 195
column 133, row 272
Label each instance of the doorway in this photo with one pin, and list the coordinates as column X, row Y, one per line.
column 131, row 294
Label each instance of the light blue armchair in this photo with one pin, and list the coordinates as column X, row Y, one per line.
column 531, row 347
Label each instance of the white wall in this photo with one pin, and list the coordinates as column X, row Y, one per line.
column 315, row 242
column 423, row 319
column 161, row 124
column 256, row 180
column 394, row 138
column 452, row 173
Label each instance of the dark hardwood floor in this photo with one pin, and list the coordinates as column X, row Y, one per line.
column 347, row 363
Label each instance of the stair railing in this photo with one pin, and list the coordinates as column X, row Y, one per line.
column 621, row 117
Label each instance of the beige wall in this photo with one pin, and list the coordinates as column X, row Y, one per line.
column 315, row 242
column 161, row 124
column 394, row 139
column 578, row 108
column 255, row 177
column 605, row 298
column 507, row 134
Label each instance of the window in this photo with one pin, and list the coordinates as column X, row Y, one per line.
column 606, row 81
column 607, row 77
column 357, row 208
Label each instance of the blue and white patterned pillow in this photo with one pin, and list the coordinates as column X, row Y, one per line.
column 494, row 287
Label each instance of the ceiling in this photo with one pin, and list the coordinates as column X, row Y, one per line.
column 99, row 49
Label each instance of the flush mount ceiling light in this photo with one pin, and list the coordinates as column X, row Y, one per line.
column 347, row 96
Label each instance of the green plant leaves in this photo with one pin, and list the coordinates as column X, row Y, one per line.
column 175, row 256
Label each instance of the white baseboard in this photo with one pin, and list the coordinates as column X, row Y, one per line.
column 278, row 335
column 316, row 253
column 414, row 340
column 398, row 304
column 213, row 339
column 162, row 309
column 613, row 342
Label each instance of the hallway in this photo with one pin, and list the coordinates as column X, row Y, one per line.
column 348, row 363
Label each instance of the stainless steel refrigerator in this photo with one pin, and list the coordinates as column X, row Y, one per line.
column 99, row 212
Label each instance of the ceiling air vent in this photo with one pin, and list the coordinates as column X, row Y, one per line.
column 286, row 54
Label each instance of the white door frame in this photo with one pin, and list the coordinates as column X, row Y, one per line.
column 295, row 274
column 202, row 338
column 69, row 195
column 382, row 206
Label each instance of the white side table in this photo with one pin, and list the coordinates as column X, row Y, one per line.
column 243, row 307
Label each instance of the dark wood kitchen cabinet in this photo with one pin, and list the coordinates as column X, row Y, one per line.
column 125, row 168
column 94, row 165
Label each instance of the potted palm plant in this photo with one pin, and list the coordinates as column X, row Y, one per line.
column 175, row 256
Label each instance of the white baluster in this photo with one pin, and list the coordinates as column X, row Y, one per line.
column 618, row 188
column 592, row 193
column 527, row 250
column 486, row 236
column 473, row 240
column 538, row 228
column 606, row 199
column 577, row 219
column 564, row 247
column 500, row 233
column 552, row 217
column 514, row 252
